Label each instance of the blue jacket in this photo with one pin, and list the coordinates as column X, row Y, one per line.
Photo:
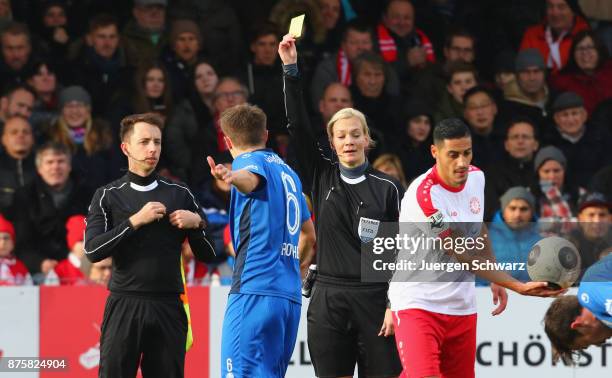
column 511, row 246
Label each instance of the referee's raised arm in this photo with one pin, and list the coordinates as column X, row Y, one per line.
column 302, row 137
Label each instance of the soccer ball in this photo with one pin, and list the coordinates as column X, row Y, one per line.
column 554, row 260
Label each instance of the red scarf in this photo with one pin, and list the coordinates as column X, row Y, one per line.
column 388, row 47
column 221, row 146
column 343, row 68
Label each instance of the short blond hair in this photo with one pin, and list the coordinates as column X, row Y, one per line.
column 348, row 113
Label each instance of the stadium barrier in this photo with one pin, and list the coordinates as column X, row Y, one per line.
column 64, row 323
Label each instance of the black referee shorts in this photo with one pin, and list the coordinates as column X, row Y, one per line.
column 343, row 324
column 146, row 331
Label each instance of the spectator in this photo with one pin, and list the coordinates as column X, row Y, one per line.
column 100, row 65
column 459, row 78
column 222, row 33
column 18, row 100
column 415, row 140
column 331, row 15
column 602, row 181
column 144, row 35
column 593, row 233
column 480, row 113
column 16, row 53
column 460, row 46
column 88, row 139
column 188, row 134
column 588, row 71
column 528, row 95
column 184, row 51
column 370, row 78
column 504, row 69
column 556, row 199
column 150, row 93
column 428, row 83
column 516, row 166
column 53, row 32
column 391, row 165
column 553, row 37
column 583, row 145
column 43, row 80
column 42, row 207
column 13, row 272
column 6, row 14
column 513, row 231
column 214, row 197
column 100, row 272
column 356, row 39
column 16, row 161
column 263, row 76
column 69, row 271
column 398, row 37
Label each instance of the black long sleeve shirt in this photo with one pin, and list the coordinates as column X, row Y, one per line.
column 339, row 203
column 146, row 260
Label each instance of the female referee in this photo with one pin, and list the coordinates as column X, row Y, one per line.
column 348, row 320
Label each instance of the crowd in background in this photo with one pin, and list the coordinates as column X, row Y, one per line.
column 532, row 80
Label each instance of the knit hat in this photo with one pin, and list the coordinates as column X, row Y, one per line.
column 549, row 153
column 151, row 2
column 529, row 58
column 185, row 26
column 6, row 226
column 567, row 100
column 75, row 230
column 594, row 199
column 74, row 93
column 517, row 192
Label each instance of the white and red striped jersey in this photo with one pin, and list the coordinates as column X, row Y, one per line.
column 428, row 206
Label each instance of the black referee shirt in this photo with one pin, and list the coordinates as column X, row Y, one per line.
column 147, row 260
column 339, row 204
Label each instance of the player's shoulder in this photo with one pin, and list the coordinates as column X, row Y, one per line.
column 474, row 171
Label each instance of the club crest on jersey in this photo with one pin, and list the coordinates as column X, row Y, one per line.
column 368, row 229
column 474, row 205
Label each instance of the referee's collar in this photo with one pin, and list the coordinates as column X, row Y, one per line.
column 140, row 183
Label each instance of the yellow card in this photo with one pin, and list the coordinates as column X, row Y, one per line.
column 295, row 28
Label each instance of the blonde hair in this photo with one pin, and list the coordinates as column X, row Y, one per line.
column 97, row 135
column 348, row 113
column 392, row 159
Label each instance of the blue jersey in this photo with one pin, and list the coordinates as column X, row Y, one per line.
column 265, row 227
column 595, row 290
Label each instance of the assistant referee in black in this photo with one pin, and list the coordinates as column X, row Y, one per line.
column 140, row 220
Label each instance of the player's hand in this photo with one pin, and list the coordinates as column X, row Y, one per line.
column 287, row 50
column 387, row 329
column 500, row 298
column 220, row 171
column 150, row 212
column 185, row 219
column 539, row 289
column 47, row 265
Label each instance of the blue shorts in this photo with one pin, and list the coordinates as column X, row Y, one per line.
column 259, row 334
